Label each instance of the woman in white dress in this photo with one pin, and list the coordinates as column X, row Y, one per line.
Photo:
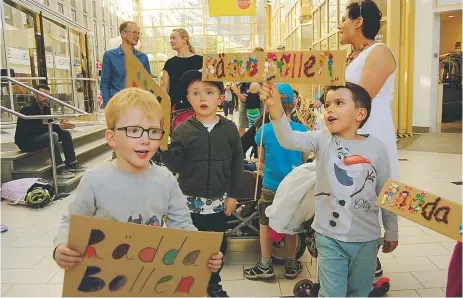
column 372, row 66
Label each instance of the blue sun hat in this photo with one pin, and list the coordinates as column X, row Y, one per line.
column 286, row 90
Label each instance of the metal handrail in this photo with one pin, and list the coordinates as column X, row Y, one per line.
column 48, row 123
column 34, row 117
column 44, row 95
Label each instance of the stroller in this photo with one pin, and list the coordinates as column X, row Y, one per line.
column 244, row 222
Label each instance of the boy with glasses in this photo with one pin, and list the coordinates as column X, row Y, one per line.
column 129, row 187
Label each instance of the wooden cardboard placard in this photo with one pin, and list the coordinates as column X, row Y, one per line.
column 137, row 76
column 126, row 260
column 308, row 67
column 431, row 211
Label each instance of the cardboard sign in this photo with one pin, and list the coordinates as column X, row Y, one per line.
column 137, row 76
column 309, row 67
column 305, row 113
column 127, row 259
column 431, row 211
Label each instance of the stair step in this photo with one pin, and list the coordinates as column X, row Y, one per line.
column 40, row 166
column 68, row 185
column 78, row 138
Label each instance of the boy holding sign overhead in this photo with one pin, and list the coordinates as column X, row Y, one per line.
column 207, row 154
column 129, row 189
column 351, row 171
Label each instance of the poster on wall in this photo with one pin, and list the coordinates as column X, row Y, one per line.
column 127, row 259
column 429, row 210
column 221, row 8
column 307, row 67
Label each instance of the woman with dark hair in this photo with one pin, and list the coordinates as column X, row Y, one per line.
column 372, row 66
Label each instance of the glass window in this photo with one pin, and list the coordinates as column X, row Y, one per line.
column 333, row 42
column 332, row 15
column 73, row 3
column 323, row 20
column 84, row 5
column 382, row 34
column 316, row 25
column 102, row 13
column 85, row 22
column 73, row 15
column 382, row 5
column 342, row 8
column 324, row 44
column 316, row 47
column 94, row 8
column 60, row 8
column 306, row 37
column 95, row 31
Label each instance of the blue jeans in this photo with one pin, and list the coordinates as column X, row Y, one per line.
column 346, row 269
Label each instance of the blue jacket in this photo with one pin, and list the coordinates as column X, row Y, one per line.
column 113, row 71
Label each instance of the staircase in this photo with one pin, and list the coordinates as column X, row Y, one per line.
column 89, row 144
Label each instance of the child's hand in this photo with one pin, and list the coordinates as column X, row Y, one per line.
column 230, row 206
column 389, row 246
column 65, row 257
column 271, row 97
column 215, row 262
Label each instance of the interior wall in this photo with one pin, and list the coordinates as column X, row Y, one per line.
column 423, row 55
column 453, row 31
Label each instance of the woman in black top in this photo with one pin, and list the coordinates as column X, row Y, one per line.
column 176, row 66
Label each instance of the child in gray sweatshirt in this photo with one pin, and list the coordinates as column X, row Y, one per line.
column 351, row 171
column 129, row 188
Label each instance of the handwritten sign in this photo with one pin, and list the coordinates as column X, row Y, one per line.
column 137, row 76
column 431, row 211
column 127, row 259
column 309, row 67
column 305, row 113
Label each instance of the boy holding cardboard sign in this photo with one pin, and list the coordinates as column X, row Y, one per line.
column 207, row 154
column 129, row 188
column 351, row 171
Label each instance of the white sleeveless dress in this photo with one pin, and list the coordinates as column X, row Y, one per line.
column 380, row 123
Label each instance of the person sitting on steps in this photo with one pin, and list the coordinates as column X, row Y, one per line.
column 32, row 135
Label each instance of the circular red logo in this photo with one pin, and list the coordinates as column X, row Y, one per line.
column 243, row 4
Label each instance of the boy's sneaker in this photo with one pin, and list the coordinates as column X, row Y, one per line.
column 379, row 269
column 75, row 167
column 293, row 271
column 216, row 291
column 62, row 173
column 257, row 272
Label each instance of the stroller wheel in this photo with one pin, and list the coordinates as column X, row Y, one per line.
column 300, row 288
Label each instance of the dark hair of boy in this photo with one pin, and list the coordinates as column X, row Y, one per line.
column 296, row 92
column 360, row 96
column 369, row 11
column 192, row 76
column 42, row 86
column 288, row 107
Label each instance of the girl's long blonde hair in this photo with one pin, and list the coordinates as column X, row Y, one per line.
column 184, row 34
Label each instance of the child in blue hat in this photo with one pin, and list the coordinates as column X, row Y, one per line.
column 279, row 162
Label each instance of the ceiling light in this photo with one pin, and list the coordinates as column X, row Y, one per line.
column 451, row 16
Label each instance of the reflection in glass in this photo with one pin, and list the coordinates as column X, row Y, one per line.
column 324, row 44
column 332, row 15
column 342, row 8
column 333, row 42
column 316, row 25
column 323, row 20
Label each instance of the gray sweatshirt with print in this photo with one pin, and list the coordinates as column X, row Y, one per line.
column 350, row 175
column 150, row 198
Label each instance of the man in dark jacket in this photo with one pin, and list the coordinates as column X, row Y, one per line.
column 32, row 135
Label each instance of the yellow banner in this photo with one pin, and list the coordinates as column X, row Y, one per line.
column 431, row 211
column 308, row 67
column 221, row 8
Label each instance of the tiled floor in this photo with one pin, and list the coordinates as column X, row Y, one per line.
column 418, row 267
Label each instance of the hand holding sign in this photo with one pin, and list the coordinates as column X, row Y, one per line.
column 126, row 259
